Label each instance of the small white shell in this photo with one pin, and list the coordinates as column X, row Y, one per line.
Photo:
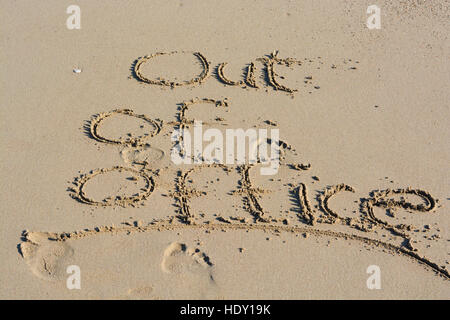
column 77, row 70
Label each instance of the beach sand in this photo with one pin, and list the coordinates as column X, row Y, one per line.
column 88, row 114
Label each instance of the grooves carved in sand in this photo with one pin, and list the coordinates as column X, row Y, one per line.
column 271, row 74
column 43, row 251
column 329, row 192
column 223, row 78
column 96, row 122
column 163, row 82
column 306, row 213
column 183, row 121
column 183, row 194
column 169, row 226
column 251, row 195
column 250, row 79
column 78, row 193
column 269, row 62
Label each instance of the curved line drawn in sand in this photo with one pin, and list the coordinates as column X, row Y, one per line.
column 169, row 226
column 163, row 82
column 249, row 80
column 329, row 192
column 224, row 79
column 79, row 194
column 363, row 223
column 305, row 214
column 98, row 119
column 381, row 199
column 271, row 74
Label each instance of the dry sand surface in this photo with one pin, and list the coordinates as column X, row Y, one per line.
column 86, row 171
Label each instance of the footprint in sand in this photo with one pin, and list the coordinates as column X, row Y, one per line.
column 47, row 259
column 140, row 292
column 180, row 259
column 142, row 154
column 190, row 270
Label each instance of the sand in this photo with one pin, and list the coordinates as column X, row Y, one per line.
column 87, row 178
